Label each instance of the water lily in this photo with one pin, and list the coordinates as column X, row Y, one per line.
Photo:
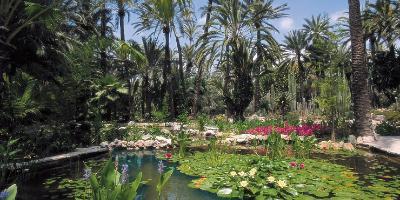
column 168, row 155
column 302, row 166
column 86, row 173
column 244, row 183
column 271, row 179
column 225, row 191
column 281, row 183
column 253, row 172
column 233, row 173
column 242, row 173
column 293, row 164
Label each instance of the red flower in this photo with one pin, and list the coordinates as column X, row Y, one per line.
column 293, row 164
column 301, row 166
column 168, row 155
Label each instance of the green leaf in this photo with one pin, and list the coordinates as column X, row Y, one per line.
column 12, row 192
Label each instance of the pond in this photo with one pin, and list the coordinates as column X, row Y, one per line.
column 65, row 182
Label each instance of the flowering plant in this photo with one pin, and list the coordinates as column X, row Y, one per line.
column 112, row 184
column 301, row 130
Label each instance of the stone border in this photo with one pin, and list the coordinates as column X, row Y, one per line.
column 57, row 159
column 378, row 150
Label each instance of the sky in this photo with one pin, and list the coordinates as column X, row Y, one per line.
column 298, row 11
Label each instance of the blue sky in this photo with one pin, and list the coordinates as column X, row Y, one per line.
column 298, row 11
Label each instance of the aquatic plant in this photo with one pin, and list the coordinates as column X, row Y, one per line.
column 164, row 177
column 255, row 177
column 109, row 187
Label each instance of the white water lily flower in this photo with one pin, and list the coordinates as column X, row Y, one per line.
column 281, row 183
column 242, row 173
column 233, row 173
column 244, row 183
column 225, row 191
column 271, row 179
column 253, row 172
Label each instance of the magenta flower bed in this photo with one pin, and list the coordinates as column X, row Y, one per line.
column 301, row 130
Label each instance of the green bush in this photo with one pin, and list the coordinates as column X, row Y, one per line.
column 388, row 128
column 111, row 131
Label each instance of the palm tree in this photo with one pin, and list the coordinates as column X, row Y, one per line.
column 261, row 12
column 122, row 10
column 153, row 56
column 360, row 92
column 152, row 15
column 296, row 44
column 317, row 28
column 199, row 75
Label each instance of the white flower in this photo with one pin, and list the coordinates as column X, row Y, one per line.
column 244, row 183
column 225, row 191
column 253, row 172
column 271, row 179
column 281, row 183
column 242, row 173
column 233, row 173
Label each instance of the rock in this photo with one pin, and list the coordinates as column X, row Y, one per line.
column 365, row 139
column 148, row 143
column 131, row 123
column 193, row 132
column 165, row 131
column 211, row 128
column 176, row 126
column 209, row 133
column 352, row 139
column 104, row 144
column 146, row 137
column 348, row 147
column 243, row 138
column 324, row 145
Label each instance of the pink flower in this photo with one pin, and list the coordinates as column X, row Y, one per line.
column 293, row 164
column 301, row 166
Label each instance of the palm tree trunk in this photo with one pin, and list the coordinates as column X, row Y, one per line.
column 360, row 96
column 180, row 62
column 302, row 75
column 199, row 76
column 121, row 15
column 256, row 71
column 168, row 75
column 103, row 34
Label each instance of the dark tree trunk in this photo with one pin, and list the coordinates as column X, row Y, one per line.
column 256, row 71
column 302, row 76
column 360, row 96
column 121, row 15
column 168, row 75
column 103, row 34
column 199, row 77
column 180, row 62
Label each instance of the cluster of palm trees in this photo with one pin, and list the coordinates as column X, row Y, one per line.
column 225, row 65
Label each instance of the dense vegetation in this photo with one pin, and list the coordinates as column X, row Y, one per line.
column 65, row 72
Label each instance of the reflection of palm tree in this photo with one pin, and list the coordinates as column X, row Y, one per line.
column 360, row 93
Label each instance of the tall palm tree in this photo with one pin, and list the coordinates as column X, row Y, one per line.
column 261, row 13
column 122, row 10
column 152, row 15
column 199, row 75
column 360, row 92
column 295, row 44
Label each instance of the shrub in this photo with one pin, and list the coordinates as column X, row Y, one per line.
column 388, row 128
